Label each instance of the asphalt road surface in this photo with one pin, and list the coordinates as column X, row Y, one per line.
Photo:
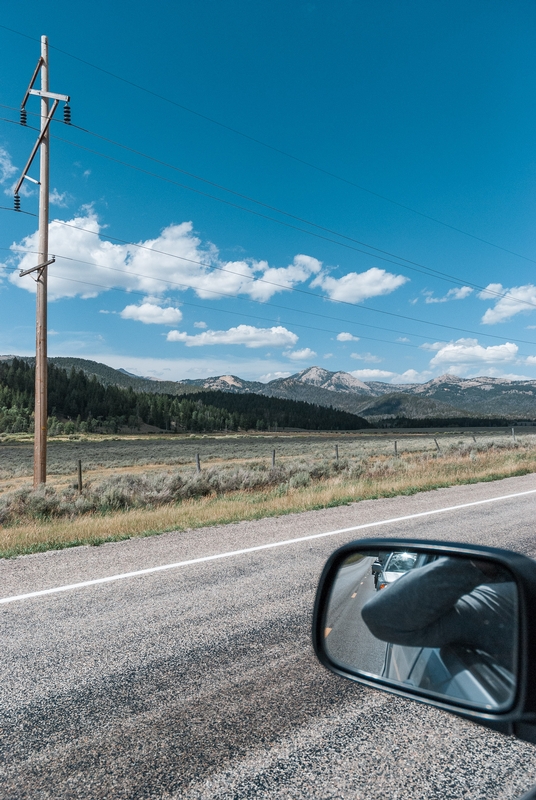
column 199, row 680
column 350, row 642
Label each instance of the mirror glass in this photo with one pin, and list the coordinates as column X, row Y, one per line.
column 446, row 626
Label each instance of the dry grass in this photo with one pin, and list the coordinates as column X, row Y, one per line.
column 381, row 476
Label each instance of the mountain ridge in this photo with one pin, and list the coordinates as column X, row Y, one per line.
column 444, row 396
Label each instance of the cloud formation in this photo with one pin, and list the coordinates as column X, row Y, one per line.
column 347, row 337
column 7, row 168
column 301, row 355
column 58, row 199
column 518, row 300
column 247, row 335
column 453, row 294
column 152, row 314
column 372, row 359
column 272, row 376
column 409, row 376
column 358, row 286
column 87, row 264
column 469, row 351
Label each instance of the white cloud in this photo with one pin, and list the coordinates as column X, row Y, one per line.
column 247, row 335
column 347, row 337
column 468, row 351
column 301, row 355
column 371, row 374
column 25, row 189
column 517, row 300
column 413, row 376
column 433, row 346
column 58, row 199
column 453, row 294
column 277, row 279
column 327, row 355
column 272, row 376
column 7, row 168
column 201, row 325
column 366, row 357
column 409, row 376
column 175, row 259
column 403, row 339
column 152, row 314
column 355, row 287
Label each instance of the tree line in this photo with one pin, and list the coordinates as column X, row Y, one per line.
column 451, row 422
column 79, row 403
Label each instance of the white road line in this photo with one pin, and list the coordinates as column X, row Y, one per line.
column 257, row 548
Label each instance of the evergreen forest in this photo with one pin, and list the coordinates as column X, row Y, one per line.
column 79, row 403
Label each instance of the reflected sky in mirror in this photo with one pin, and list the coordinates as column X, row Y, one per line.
column 446, row 625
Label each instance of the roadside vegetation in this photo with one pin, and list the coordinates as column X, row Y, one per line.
column 146, row 486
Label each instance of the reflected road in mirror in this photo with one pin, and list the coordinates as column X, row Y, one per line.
column 445, row 625
column 350, row 641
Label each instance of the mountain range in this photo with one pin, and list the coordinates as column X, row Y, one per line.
column 446, row 396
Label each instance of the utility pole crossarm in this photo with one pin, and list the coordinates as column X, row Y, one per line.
column 50, row 95
column 38, row 267
column 44, row 131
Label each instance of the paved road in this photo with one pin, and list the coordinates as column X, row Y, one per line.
column 350, row 641
column 200, row 682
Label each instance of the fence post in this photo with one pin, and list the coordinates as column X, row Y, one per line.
column 197, row 463
column 273, row 459
column 79, row 475
column 336, row 452
column 396, row 450
column 513, row 434
column 474, row 438
column 437, row 445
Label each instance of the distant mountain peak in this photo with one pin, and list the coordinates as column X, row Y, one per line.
column 446, row 378
column 231, row 380
column 333, row 381
column 314, row 375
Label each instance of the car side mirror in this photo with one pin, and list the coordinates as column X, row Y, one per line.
column 450, row 625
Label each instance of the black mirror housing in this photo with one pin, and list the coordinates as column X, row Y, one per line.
column 354, row 568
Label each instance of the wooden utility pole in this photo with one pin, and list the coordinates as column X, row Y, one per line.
column 42, row 144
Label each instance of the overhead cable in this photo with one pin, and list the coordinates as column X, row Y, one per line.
column 273, row 148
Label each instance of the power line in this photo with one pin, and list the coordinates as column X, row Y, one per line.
column 18, row 211
column 273, row 305
column 416, row 267
column 411, row 265
column 274, row 149
column 271, row 283
column 242, row 314
column 227, row 295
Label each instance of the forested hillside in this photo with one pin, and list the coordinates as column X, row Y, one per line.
column 77, row 402
column 265, row 412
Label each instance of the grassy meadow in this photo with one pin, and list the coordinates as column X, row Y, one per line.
column 136, row 486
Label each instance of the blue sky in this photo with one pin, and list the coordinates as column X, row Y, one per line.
column 256, row 187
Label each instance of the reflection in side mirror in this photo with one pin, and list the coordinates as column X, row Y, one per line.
column 444, row 625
